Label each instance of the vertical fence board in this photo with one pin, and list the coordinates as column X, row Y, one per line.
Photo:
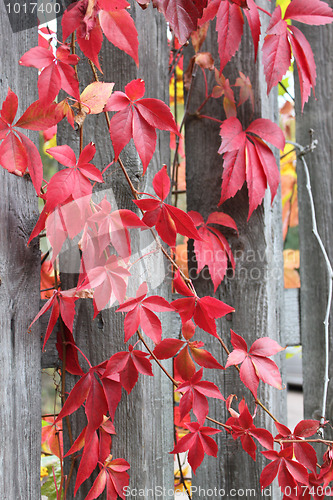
column 317, row 115
column 19, row 295
column 255, row 291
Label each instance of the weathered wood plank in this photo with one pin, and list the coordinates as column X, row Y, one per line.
column 291, row 317
column 317, row 115
column 19, row 295
column 143, row 420
column 255, row 290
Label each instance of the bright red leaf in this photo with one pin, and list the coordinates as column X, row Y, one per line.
column 248, row 158
column 288, row 470
column 137, row 119
column 17, row 152
column 91, row 19
column 195, row 392
column 63, row 304
column 255, row 364
column 167, row 219
column 204, row 310
column 184, row 364
column 57, row 71
column 304, row 452
column 73, row 181
column 140, row 312
column 244, row 428
column 114, row 476
column 229, row 25
column 281, row 38
column 198, row 442
column 213, row 249
column 128, row 364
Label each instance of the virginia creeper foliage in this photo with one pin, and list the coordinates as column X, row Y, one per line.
column 105, row 238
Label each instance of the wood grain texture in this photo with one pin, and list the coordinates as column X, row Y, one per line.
column 255, row 289
column 143, row 421
column 317, row 115
column 291, row 319
column 20, row 389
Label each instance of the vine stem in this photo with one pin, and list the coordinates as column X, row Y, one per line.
column 79, row 103
column 302, row 152
column 264, row 11
column 323, row 441
column 210, row 118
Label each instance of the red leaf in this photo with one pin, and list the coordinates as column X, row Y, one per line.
column 312, row 12
column 168, row 348
column 203, row 310
column 88, row 461
column 182, row 15
column 138, row 120
column 276, row 50
column 213, row 250
column 255, row 364
column 119, row 29
column 34, row 163
column 39, row 117
column 229, row 25
column 198, row 443
column 98, row 485
column 305, row 62
column 56, row 73
column 161, row 183
column 198, row 390
column 253, row 19
column 9, row 107
column 258, row 166
column 140, row 312
column 167, row 219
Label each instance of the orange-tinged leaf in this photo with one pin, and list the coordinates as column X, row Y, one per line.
column 95, row 96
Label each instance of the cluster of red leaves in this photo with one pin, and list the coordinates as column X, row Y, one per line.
column 106, row 243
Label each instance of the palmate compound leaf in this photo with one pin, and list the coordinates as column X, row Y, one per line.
column 167, row 219
column 230, row 23
column 182, row 350
column 62, row 304
column 303, row 451
column 288, row 470
column 248, row 158
column 109, row 280
column 17, row 152
column 114, row 476
column 243, row 427
column 128, row 365
column 139, row 311
column 255, row 362
column 113, row 227
column 91, row 19
column 56, row 71
column 198, row 443
column 203, row 310
column 195, row 392
column 213, row 250
column 282, row 40
column 69, row 184
column 137, row 119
